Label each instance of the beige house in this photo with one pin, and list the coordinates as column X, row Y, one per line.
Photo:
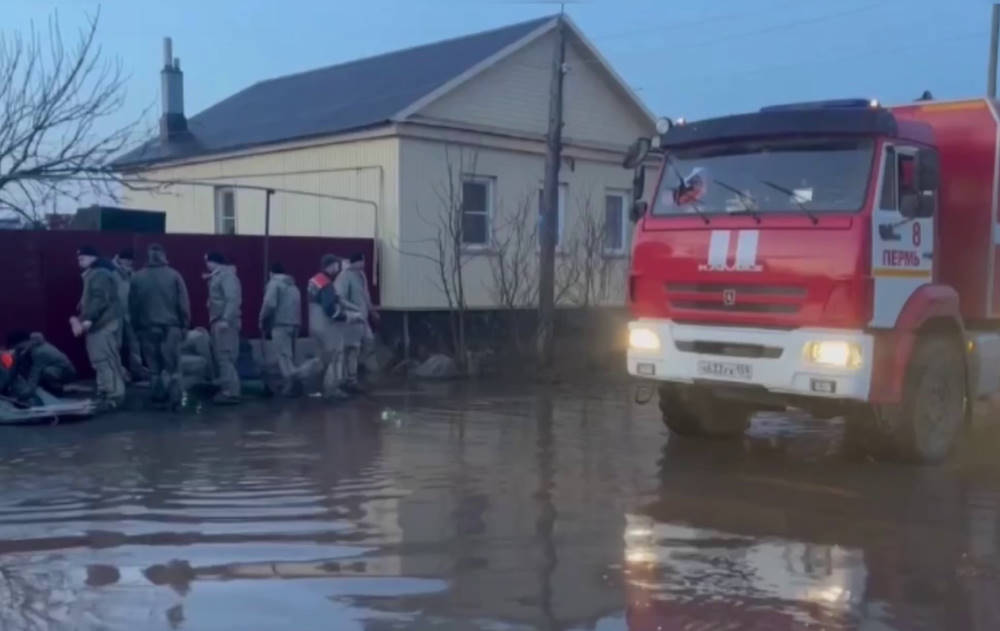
column 413, row 148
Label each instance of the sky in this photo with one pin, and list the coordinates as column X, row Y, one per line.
column 691, row 59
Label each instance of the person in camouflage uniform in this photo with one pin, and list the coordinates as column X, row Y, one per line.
column 99, row 321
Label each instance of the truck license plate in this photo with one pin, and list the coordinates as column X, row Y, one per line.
column 727, row 370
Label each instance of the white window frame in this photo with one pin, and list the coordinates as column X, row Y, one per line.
column 490, row 183
column 220, row 220
column 561, row 197
column 626, row 200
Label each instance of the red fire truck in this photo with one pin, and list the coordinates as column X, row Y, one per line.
column 839, row 257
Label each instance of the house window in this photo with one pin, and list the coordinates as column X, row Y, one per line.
column 477, row 207
column 615, row 223
column 225, row 210
column 560, row 215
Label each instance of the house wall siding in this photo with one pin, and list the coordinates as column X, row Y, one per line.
column 365, row 169
column 510, row 98
column 514, row 95
column 517, row 176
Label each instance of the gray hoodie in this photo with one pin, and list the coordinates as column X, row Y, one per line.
column 282, row 304
column 124, row 278
column 225, row 296
column 158, row 296
column 352, row 288
column 99, row 303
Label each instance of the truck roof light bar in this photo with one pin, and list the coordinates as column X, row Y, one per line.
column 835, row 104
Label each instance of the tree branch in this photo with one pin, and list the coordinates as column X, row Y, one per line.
column 54, row 102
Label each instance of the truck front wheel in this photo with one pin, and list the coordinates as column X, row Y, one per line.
column 693, row 411
column 924, row 427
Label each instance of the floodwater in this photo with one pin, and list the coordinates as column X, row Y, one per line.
column 485, row 507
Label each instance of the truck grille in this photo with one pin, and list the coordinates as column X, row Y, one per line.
column 736, row 298
column 753, row 351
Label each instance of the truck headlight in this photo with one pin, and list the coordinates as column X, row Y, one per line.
column 643, row 339
column 836, row 353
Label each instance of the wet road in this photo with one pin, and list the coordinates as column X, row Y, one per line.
column 475, row 507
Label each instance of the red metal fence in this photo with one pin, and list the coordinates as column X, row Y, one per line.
column 41, row 281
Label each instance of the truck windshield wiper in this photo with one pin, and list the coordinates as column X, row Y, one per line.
column 795, row 198
column 746, row 198
column 701, row 213
column 681, row 185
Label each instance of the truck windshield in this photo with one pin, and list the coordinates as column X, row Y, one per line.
column 761, row 177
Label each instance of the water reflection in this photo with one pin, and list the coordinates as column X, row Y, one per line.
column 740, row 537
column 97, row 524
column 521, row 503
column 482, row 506
column 547, row 514
column 696, row 573
column 473, row 507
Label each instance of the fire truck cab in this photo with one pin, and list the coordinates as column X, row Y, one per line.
column 840, row 257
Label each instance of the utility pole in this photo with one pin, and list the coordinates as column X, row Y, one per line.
column 267, row 232
column 991, row 80
column 549, row 220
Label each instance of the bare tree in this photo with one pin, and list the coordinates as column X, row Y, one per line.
column 514, row 263
column 445, row 245
column 515, row 250
column 582, row 271
column 568, row 266
column 54, row 101
column 594, row 265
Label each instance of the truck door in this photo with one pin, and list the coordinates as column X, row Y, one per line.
column 902, row 249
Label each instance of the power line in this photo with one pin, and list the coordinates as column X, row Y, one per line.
column 716, row 78
column 717, row 40
column 677, row 25
column 961, row 36
column 865, row 53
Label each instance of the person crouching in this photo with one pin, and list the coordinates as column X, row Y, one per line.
column 39, row 363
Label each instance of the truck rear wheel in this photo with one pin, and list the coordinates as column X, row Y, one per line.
column 924, row 427
column 693, row 411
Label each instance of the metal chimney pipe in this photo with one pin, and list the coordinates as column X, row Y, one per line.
column 173, row 124
column 168, row 52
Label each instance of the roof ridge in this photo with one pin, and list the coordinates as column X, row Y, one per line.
column 408, row 49
column 383, row 85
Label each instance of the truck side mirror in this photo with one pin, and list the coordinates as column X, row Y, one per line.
column 928, row 170
column 921, row 203
column 637, row 210
column 637, row 153
column 638, row 183
column 918, row 204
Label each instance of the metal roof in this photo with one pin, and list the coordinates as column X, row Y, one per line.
column 350, row 96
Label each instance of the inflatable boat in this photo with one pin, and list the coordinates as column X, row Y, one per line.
column 48, row 409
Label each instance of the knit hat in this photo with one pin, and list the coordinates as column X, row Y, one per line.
column 215, row 257
column 156, row 254
column 87, row 250
column 328, row 260
column 357, row 256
